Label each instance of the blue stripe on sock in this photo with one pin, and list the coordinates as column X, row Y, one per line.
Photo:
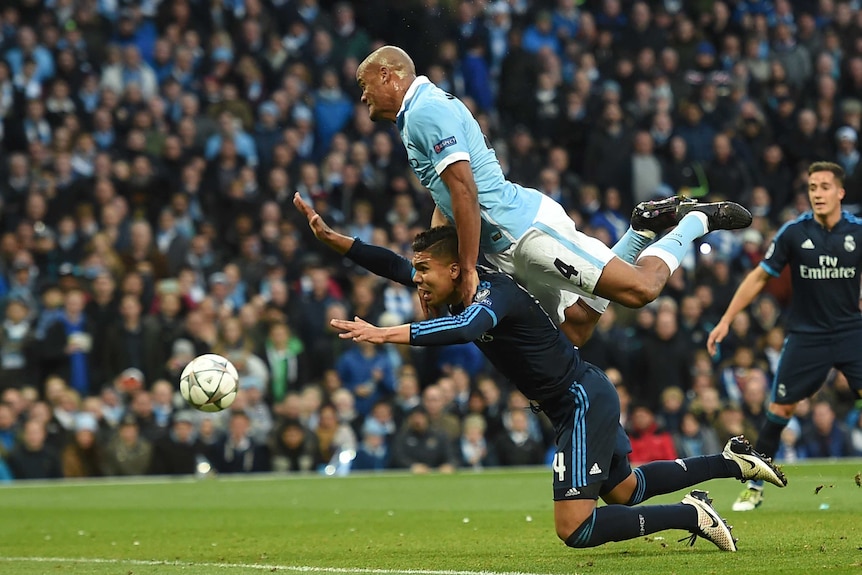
column 640, row 488
column 586, row 530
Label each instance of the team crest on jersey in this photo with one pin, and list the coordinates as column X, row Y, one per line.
column 849, row 243
column 769, row 251
column 444, row 143
column 481, row 295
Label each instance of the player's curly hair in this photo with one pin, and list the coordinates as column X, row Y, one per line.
column 836, row 170
column 439, row 241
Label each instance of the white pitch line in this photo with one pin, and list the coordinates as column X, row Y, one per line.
column 257, row 566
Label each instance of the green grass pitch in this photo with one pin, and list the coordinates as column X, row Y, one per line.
column 470, row 523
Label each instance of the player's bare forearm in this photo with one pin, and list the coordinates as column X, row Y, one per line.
column 465, row 208
column 580, row 321
column 338, row 242
column 752, row 285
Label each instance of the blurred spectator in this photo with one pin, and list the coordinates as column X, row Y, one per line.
column 695, row 439
column 16, row 339
column 649, row 442
column 32, row 458
column 9, row 428
column 474, row 449
column 515, row 445
column 134, row 341
column 420, row 448
column 294, row 448
column 372, row 454
column 826, row 436
column 238, row 451
column 731, row 422
column 83, row 456
column 436, row 406
column 333, row 435
column 127, row 453
column 366, row 370
column 68, row 345
column 177, row 453
column 663, row 361
column 283, row 353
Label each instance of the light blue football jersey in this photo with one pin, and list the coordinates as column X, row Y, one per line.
column 438, row 130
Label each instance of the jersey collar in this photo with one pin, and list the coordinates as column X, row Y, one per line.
column 411, row 91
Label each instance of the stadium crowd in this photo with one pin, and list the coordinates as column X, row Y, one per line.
column 150, row 150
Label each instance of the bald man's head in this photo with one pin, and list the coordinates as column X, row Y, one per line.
column 391, row 57
column 384, row 77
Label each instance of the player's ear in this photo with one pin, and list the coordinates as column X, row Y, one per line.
column 454, row 270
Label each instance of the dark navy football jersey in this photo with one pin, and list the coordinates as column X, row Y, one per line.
column 504, row 321
column 825, row 271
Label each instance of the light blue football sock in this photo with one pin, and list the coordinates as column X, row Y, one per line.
column 672, row 247
column 630, row 245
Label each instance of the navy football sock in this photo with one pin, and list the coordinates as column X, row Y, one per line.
column 770, row 434
column 619, row 523
column 661, row 477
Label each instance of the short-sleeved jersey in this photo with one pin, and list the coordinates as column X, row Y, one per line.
column 825, row 272
column 438, row 130
column 504, row 321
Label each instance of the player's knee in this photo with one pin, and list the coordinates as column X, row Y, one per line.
column 576, row 533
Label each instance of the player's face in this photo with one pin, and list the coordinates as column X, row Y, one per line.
column 377, row 93
column 825, row 194
column 435, row 279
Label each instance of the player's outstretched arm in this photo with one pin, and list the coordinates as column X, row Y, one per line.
column 361, row 330
column 465, row 327
column 745, row 294
column 379, row 261
column 338, row 242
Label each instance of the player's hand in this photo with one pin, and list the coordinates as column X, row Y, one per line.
column 321, row 230
column 469, row 284
column 716, row 336
column 359, row 330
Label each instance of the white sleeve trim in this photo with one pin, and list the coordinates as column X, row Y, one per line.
column 449, row 160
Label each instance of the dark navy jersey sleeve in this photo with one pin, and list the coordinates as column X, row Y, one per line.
column 490, row 305
column 464, row 327
column 382, row 262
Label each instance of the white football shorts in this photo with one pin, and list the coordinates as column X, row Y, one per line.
column 554, row 261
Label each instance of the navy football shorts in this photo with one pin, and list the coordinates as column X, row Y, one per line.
column 806, row 359
column 592, row 448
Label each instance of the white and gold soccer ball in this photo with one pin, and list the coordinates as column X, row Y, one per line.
column 209, row 383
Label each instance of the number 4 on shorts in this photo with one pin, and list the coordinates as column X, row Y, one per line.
column 560, row 464
column 567, row 270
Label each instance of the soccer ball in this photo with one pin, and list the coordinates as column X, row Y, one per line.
column 209, row 382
